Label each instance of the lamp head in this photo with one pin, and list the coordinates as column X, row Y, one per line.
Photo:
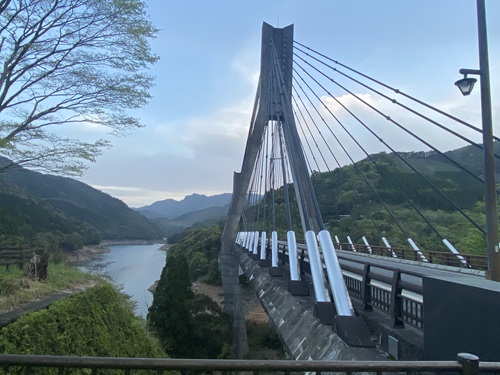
column 466, row 85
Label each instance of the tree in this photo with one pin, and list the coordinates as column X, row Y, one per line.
column 209, row 328
column 168, row 315
column 70, row 63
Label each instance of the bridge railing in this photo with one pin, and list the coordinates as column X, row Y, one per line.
column 473, row 261
column 466, row 364
column 395, row 292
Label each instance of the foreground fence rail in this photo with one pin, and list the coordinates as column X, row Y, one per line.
column 19, row 256
column 466, row 364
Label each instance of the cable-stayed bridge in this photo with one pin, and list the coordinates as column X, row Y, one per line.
column 328, row 211
column 346, row 257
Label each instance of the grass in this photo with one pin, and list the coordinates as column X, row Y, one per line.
column 17, row 289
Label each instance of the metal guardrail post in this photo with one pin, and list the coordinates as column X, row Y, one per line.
column 469, row 362
column 396, row 306
column 366, row 289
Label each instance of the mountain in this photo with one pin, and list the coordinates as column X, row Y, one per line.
column 26, row 220
column 203, row 218
column 364, row 199
column 170, row 208
column 45, row 203
column 207, row 214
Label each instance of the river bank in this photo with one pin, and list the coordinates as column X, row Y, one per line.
column 86, row 254
column 92, row 252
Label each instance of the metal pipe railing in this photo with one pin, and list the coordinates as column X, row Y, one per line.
column 381, row 287
column 466, row 364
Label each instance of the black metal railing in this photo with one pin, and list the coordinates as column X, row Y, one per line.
column 466, row 364
column 386, row 288
column 472, row 261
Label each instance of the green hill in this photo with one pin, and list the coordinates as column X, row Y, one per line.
column 379, row 200
column 385, row 205
column 35, row 205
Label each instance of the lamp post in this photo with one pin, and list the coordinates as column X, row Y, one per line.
column 465, row 85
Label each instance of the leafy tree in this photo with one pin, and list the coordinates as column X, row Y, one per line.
column 70, row 63
column 209, row 328
column 201, row 246
column 198, row 265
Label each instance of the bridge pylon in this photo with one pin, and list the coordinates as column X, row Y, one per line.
column 282, row 40
column 273, row 103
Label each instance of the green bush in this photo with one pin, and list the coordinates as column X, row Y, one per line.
column 92, row 323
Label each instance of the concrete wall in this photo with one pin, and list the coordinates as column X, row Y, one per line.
column 461, row 315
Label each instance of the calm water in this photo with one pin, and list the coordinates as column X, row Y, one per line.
column 133, row 267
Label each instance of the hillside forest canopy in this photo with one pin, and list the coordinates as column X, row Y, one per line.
column 68, row 64
column 360, row 200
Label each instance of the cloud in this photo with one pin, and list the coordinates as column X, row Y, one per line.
column 171, row 159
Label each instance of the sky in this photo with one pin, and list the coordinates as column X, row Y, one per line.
column 197, row 123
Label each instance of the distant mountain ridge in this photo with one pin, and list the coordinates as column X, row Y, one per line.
column 171, row 208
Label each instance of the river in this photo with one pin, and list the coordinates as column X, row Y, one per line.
column 134, row 268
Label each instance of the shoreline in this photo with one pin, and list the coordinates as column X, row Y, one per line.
column 86, row 253
column 92, row 252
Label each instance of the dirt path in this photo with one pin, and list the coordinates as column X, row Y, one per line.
column 252, row 308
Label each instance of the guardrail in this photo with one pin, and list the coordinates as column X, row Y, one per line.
column 479, row 262
column 395, row 292
column 16, row 256
column 466, row 364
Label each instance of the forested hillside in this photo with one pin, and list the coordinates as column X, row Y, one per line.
column 42, row 209
column 388, row 198
column 203, row 218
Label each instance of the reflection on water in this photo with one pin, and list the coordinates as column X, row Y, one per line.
column 133, row 267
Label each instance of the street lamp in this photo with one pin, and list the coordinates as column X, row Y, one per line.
column 465, row 85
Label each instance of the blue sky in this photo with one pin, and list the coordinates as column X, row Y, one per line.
column 196, row 124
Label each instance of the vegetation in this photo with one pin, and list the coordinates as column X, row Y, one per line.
column 168, row 316
column 97, row 322
column 350, row 207
column 189, row 325
column 15, row 289
column 263, row 341
column 375, row 201
column 70, row 63
column 63, row 214
column 201, row 246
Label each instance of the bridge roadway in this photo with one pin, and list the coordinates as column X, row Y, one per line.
column 412, row 272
